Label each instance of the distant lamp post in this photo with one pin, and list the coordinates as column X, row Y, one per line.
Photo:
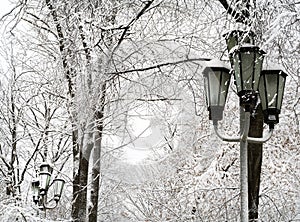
column 246, row 62
column 40, row 187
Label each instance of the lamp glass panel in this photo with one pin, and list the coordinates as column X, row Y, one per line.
column 35, row 192
column 258, row 68
column 262, row 92
column 247, row 68
column 271, row 90
column 58, row 187
column 206, row 88
column 281, row 85
column 237, row 71
column 214, row 87
column 44, row 180
column 35, row 188
column 224, row 85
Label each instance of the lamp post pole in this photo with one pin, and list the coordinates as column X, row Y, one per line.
column 244, row 121
column 255, row 152
column 251, row 82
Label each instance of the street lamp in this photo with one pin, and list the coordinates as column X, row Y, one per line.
column 40, row 187
column 246, row 62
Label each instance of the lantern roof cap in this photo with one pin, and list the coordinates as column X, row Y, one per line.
column 216, row 64
column 273, row 67
column 60, row 179
column 45, row 173
column 245, row 47
column 35, row 179
column 45, row 164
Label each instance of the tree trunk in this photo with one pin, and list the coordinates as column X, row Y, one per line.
column 10, row 188
column 254, row 164
column 93, row 208
column 80, row 197
column 78, row 163
column 99, row 115
column 76, row 176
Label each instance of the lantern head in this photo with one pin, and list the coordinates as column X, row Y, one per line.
column 216, row 82
column 58, row 188
column 44, row 182
column 247, row 66
column 35, row 190
column 271, row 90
column 45, row 177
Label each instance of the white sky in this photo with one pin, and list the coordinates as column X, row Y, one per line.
column 5, row 7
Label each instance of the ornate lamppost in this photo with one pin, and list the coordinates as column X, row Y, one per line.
column 252, row 81
column 41, row 184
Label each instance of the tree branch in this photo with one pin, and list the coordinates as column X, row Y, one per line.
column 147, row 5
column 160, row 65
column 62, row 49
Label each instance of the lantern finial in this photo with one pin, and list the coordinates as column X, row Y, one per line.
column 238, row 37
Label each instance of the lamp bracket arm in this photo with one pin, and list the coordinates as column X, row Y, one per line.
column 225, row 137
column 48, row 207
column 261, row 140
column 45, row 206
column 246, row 127
column 245, row 131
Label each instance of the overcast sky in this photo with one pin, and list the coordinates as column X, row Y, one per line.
column 5, row 7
